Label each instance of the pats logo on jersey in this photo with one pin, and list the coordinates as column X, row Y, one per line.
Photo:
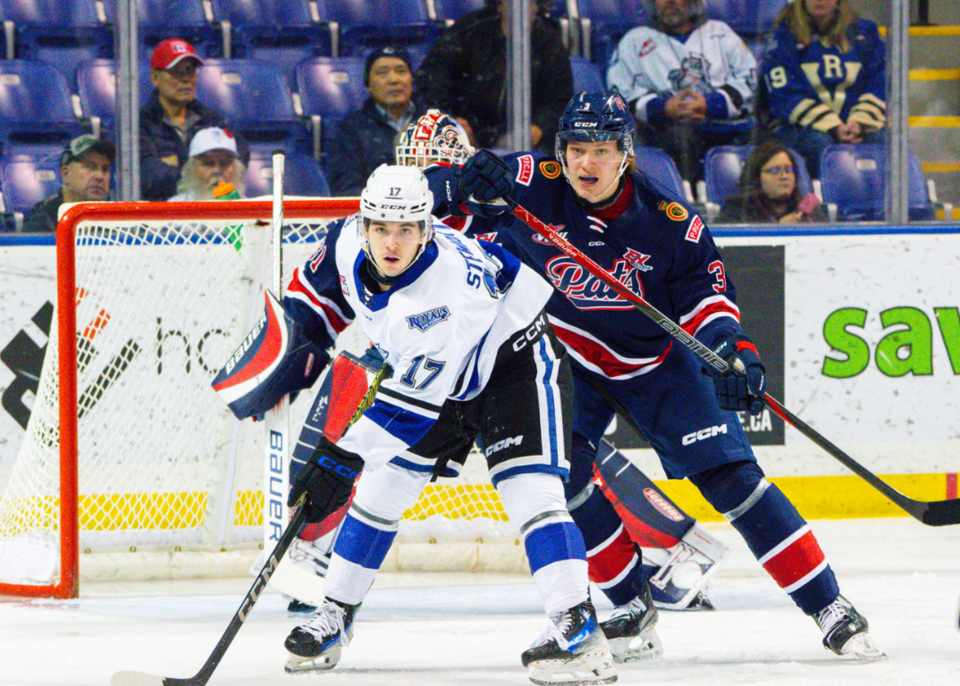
column 586, row 291
column 425, row 320
column 695, row 229
column 550, row 169
column 525, row 172
column 558, row 229
column 488, row 237
column 344, row 288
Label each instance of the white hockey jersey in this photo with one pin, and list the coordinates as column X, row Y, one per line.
column 440, row 326
column 713, row 60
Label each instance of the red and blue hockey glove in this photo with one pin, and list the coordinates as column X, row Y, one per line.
column 326, row 479
column 740, row 389
column 482, row 185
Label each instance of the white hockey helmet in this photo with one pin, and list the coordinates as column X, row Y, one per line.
column 435, row 137
column 396, row 194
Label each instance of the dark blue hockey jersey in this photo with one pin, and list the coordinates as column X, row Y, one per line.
column 651, row 241
column 820, row 86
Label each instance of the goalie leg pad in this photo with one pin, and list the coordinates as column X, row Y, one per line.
column 275, row 359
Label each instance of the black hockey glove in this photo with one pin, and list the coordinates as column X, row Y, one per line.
column 327, row 479
column 743, row 389
column 483, row 184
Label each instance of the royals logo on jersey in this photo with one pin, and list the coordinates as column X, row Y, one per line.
column 425, row 320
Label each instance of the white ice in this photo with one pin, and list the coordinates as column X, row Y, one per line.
column 426, row 629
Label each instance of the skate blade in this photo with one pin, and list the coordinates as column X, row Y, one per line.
column 322, row 663
column 590, row 667
column 862, row 647
column 646, row 646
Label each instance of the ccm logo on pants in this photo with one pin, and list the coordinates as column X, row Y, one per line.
column 704, row 433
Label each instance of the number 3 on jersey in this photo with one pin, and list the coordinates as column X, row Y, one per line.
column 422, row 372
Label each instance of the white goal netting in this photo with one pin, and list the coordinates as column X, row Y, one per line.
column 161, row 463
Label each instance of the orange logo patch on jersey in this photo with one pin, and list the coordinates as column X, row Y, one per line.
column 550, row 169
column 676, row 212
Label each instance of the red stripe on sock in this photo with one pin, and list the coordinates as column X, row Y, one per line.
column 609, row 563
column 795, row 561
column 951, row 486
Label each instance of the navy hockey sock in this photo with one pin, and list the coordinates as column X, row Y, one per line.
column 776, row 534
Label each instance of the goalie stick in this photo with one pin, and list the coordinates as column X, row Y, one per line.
column 132, row 678
column 931, row 513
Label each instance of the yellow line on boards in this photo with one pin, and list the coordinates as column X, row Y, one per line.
column 935, row 122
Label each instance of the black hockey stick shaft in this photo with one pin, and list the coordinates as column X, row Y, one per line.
column 932, row 513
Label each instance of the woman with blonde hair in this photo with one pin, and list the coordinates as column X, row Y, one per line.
column 824, row 78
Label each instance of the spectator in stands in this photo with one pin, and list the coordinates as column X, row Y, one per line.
column 213, row 161
column 689, row 81
column 824, row 78
column 365, row 138
column 768, row 192
column 464, row 74
column 171, row 118
column 85, row 172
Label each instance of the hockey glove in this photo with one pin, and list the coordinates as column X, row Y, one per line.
column 326, row 479
column 483, row 184
column 741, row 388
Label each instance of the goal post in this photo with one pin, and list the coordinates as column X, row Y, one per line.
column 129, row 452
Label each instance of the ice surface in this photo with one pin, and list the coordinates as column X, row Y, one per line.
column 431, row 629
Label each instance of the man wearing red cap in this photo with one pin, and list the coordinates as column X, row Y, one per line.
column 171, row 118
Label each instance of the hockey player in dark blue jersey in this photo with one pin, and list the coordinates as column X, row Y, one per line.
column 655, row 244
column 824, row 78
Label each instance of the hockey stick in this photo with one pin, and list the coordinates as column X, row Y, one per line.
column 131, row 678
column 932, row 513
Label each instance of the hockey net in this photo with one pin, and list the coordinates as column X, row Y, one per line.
column 130, row 462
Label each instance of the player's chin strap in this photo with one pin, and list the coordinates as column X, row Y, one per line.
column 932, row 513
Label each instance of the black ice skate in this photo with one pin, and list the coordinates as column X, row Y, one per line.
column 845, row 631
column 573, row 650
column 316, row 644
column 630, row 630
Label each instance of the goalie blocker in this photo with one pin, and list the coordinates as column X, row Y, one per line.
column 273, row 360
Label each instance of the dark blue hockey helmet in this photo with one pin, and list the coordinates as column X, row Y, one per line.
column 594, row 118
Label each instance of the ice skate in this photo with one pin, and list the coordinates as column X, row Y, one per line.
column 845, row 631
column 630, row 630
column 313, row 557
column 316, row 644
column 573, row 650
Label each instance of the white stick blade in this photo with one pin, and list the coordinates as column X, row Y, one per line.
column 135, row 679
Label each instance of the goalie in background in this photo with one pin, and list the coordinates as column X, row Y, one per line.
column 463, row 328
column 591, row 192
column 667, row 541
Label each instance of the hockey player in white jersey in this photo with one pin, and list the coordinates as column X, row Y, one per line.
column 463, row 328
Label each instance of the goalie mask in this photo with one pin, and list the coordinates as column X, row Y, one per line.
column 595, row 118
column 396, row 194
column 435, row 137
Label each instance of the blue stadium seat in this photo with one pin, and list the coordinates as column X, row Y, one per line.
column 279, row 31
column 749, row 18
column 853, row 178
column 158, row 20
column 586, row 75
column 254, row 97
column 301, row 175
column 329, row 88
column 61, row 32
column 602, row 25
column 660, row 167
column 97, row 89
column 450, row 10
column 723, row 164
column 366, row 23
column 35, row 104
column 28, row 179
